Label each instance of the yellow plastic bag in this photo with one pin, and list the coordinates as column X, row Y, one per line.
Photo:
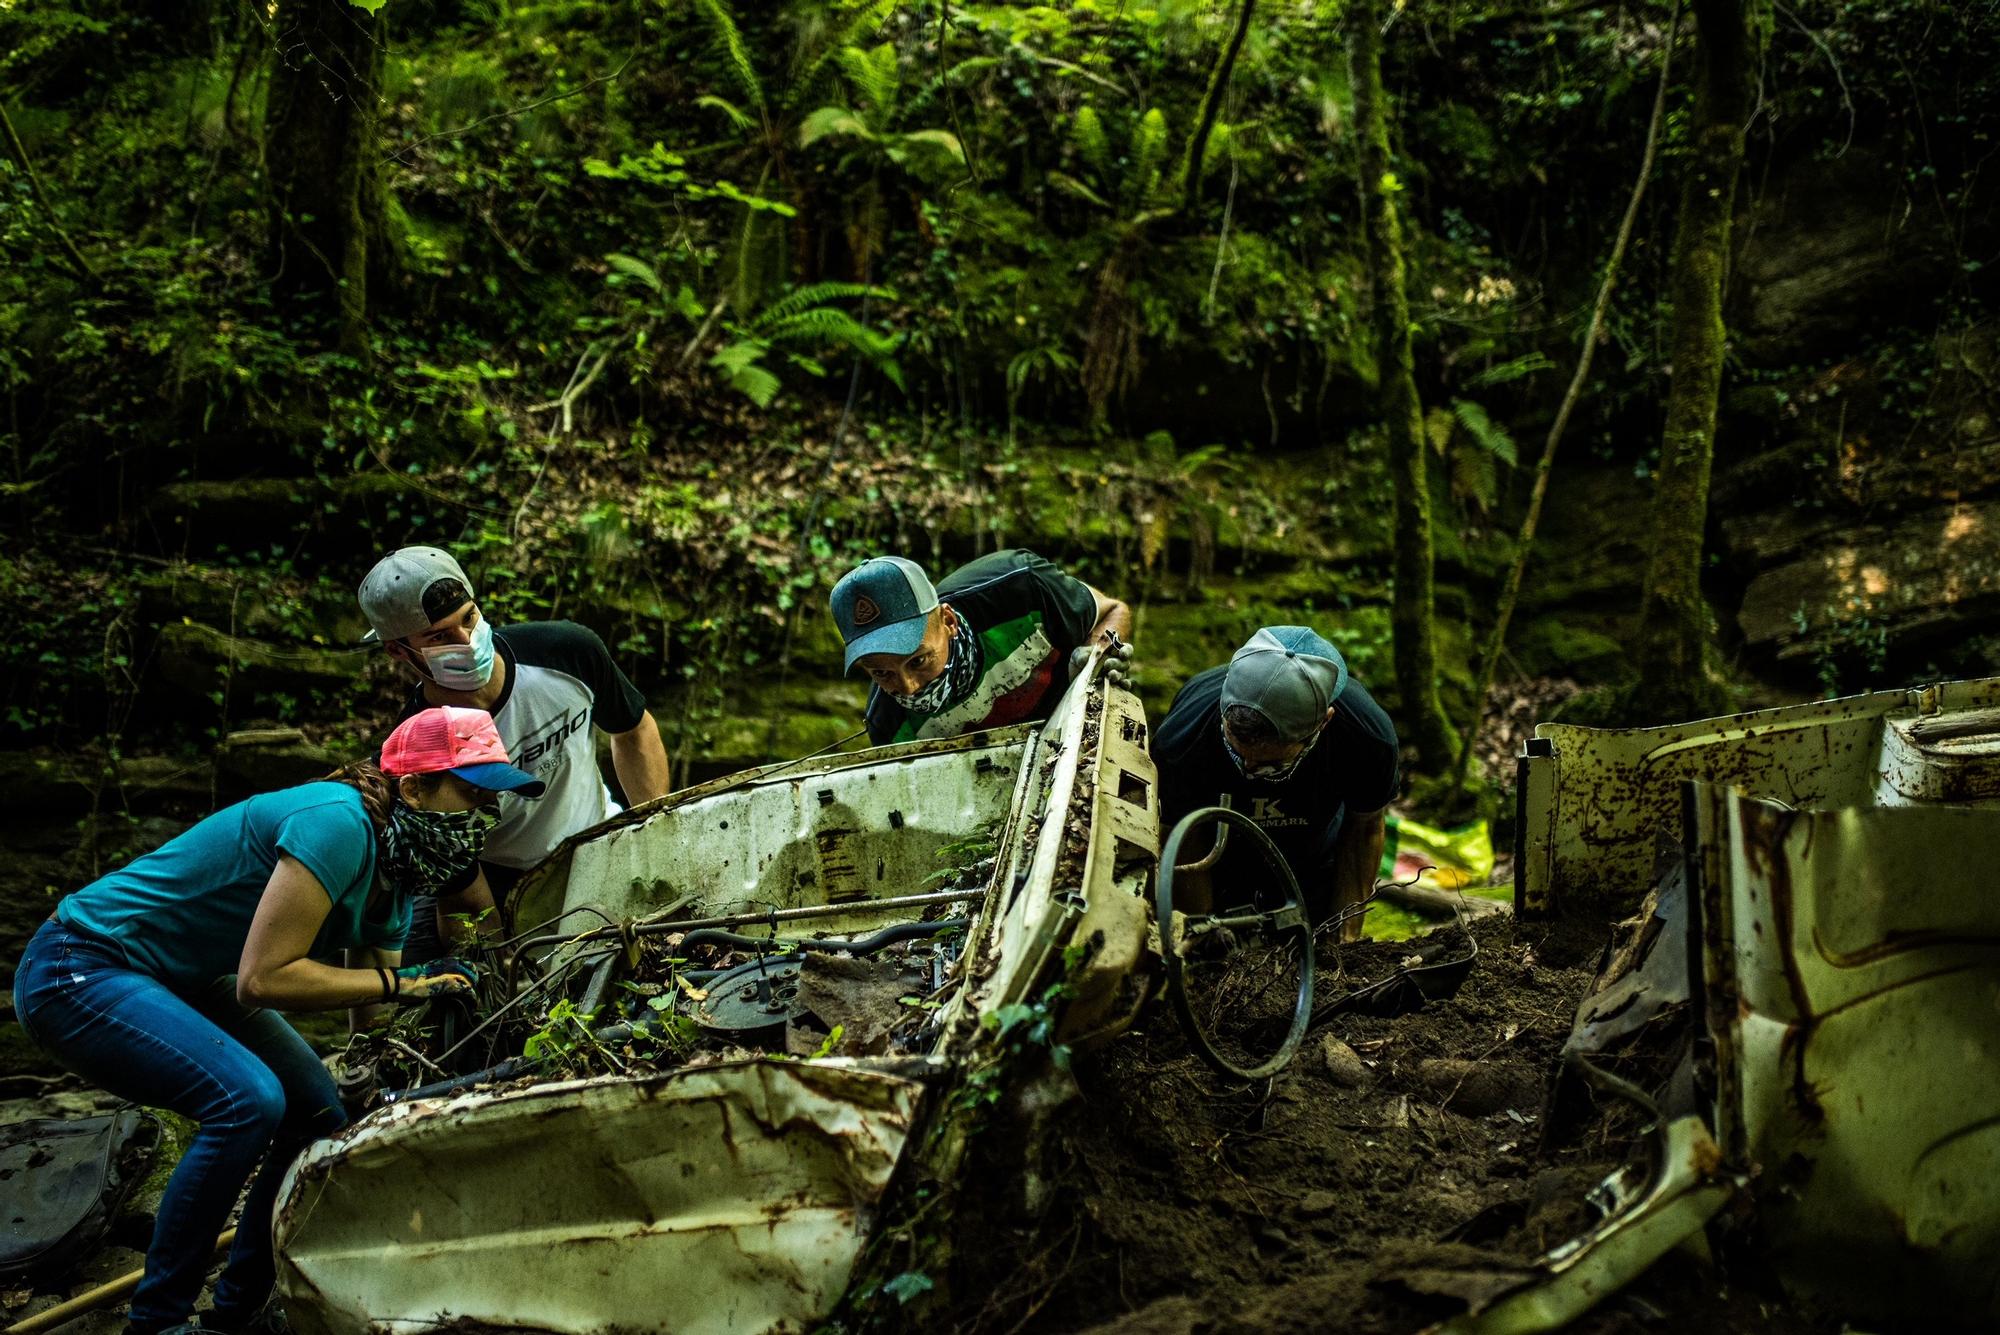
column 1459, row 859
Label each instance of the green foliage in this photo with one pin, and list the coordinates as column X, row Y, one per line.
column 751, row 184
column 1486, row 433
column 908, row 1285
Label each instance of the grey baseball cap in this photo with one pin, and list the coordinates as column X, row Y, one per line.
column 1289, row 675
column 409, row 589
column 882, row 606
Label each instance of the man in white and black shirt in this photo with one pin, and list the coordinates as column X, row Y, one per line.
column 547, row 685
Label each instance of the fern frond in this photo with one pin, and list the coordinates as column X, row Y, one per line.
column 1487, row 433
column 812, row 68
column 942, row 140
column 921, row 100
column 832, row 121
column 1149, row 150
column 823, row 324
column 737, row 116
column 1510, row 371
column 872, row 74
column 735, row 53
column 1088, row 133
column 637, row 268
column 818, row 294
column 1064, row 181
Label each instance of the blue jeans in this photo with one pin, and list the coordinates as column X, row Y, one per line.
column 254, row 1086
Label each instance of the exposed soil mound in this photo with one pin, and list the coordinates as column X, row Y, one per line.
column 1346, row 1194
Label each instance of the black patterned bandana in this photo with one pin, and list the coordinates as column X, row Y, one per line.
column 422, row 850
column 955, row 682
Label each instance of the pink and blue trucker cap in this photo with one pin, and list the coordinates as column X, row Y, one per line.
column 1289, row 675
column 882, row 607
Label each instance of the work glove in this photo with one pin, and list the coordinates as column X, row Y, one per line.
column 1117, row 661
column 440, row 975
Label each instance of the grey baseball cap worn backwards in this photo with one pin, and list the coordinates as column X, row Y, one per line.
column 409, row 589
column 882, row 607
column 1289, row 675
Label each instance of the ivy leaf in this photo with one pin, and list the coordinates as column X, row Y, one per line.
column 908, row 1285
column 371, row 6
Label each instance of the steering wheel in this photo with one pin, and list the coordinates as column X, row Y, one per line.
column 1231, row 972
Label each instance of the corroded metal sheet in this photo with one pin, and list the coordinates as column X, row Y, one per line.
column 729, row 1198
column 1687, row 1187
column 865, row 826
column 1853, row 984
column 1595, row 801
column 735, row 1197
column 1110, row 980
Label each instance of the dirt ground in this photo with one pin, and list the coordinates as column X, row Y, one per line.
column 1193, row 1203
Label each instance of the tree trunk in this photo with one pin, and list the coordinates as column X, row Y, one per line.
column 322, row 142
column 1524, row 546
column 1412, row 617
column 1675, row 677
column 1211, row 106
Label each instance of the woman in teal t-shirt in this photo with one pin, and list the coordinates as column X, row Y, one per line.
column 129, row 984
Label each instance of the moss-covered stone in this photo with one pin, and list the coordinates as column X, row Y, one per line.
column 713, row 728
column 1552, row 646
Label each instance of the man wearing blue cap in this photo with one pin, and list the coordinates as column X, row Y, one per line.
column 1299, row 747
column 994, row 643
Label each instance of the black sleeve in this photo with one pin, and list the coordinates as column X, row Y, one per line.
column 1185, row 781
column 1069, row 607
column 883, row 716
column 1370, row 737
column 577, row 650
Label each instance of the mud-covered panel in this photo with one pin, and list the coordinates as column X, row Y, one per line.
column 574, row 1207
column 1852, row 961
column 1600, row 799
column 860, row 827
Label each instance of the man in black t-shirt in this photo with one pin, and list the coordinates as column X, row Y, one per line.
column 990, row 645
column 1300, row 748
column 548, row 685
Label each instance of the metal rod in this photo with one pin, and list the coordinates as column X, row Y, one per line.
column 766, row 915
column 105, row 1294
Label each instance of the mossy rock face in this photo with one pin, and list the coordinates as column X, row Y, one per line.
column 31, row 783
column 1554, row 647
column 253, row 603
column 1174, row 641
column 203, row 663
column 1591, row 547
column 267, row 759
column 344, row 516
column 711, row 730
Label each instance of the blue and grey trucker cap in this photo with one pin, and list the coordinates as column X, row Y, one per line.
column 1289, row 675
column 882, row 607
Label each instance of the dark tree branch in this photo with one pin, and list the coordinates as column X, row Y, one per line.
column 1496, row 640
column 1211, row 106
column 19, row 153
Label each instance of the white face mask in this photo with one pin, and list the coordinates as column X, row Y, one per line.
column 1267, row 772
column 462, row 667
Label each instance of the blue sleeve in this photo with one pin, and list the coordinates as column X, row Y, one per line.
column 334, row 841
column 393, row 934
